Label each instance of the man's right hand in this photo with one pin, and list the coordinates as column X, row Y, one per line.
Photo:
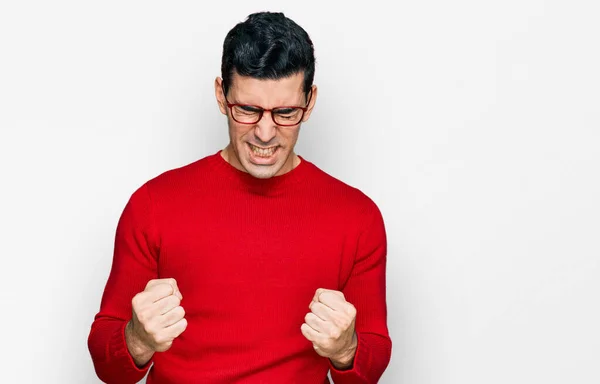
column 156, row 321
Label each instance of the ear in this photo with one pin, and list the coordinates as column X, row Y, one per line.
column 313, row 99
column 220, row 95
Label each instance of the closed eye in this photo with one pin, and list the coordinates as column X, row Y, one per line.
column 249, row 108
column 286, row 111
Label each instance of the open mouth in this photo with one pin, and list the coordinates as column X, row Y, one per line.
column 263, row 152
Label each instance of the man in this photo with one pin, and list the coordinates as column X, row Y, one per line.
column 250, row 265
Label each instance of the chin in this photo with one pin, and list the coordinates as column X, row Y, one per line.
column 262, row 171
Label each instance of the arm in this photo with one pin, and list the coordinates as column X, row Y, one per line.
column 134, row 264
column 366, row 290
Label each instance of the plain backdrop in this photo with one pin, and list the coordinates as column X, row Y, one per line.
column 473, row 125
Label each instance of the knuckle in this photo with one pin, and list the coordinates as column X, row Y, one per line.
column 176, row 314
column 171, row 303
column 163, row 338
column 160, row 339
column 351, row 310
column 148, row 329
column 139, row 299
column 142, row 317
column 136, row 300
column 344, row 323
column 182, row 326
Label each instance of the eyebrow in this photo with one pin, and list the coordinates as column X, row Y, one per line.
column 235, row 100
column 280, row 106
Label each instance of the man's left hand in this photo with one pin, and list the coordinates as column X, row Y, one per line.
column 330, row 327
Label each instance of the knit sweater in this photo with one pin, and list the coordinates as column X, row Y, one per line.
column 248, row 255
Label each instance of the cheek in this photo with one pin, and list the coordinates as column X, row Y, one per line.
column 239, row 131
column 291, row 136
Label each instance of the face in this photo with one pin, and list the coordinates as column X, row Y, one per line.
column 264, row 149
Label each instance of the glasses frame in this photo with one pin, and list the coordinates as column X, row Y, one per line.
column 262, row 111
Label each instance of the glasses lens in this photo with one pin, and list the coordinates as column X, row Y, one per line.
column 287, row 116
column 245, row 114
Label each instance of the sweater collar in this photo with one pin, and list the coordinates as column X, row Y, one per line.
column 270, row 186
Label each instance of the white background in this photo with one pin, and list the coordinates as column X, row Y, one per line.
column 474, row 125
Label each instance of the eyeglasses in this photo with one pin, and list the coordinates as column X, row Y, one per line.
column 286, row 116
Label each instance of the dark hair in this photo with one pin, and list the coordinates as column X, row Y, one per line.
column 268, row 46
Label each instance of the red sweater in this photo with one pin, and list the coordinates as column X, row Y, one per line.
column 248, row 255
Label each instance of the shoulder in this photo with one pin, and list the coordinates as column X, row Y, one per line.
column 172, row 182
column 343, row 195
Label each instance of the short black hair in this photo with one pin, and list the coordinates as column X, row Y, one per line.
column 268, row 45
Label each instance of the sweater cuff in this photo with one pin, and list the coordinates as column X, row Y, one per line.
column 354, row 374
column 118, row 350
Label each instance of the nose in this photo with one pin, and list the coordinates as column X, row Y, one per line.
column 265, row 129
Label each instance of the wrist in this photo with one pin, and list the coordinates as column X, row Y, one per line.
column 346, row 359
column 139, row 351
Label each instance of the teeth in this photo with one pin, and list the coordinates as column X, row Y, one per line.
column 263, row 152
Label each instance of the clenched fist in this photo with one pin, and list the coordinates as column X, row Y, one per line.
column 157, row 319
column 330, row 327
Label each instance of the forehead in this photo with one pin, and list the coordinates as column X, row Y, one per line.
column 266, row 92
